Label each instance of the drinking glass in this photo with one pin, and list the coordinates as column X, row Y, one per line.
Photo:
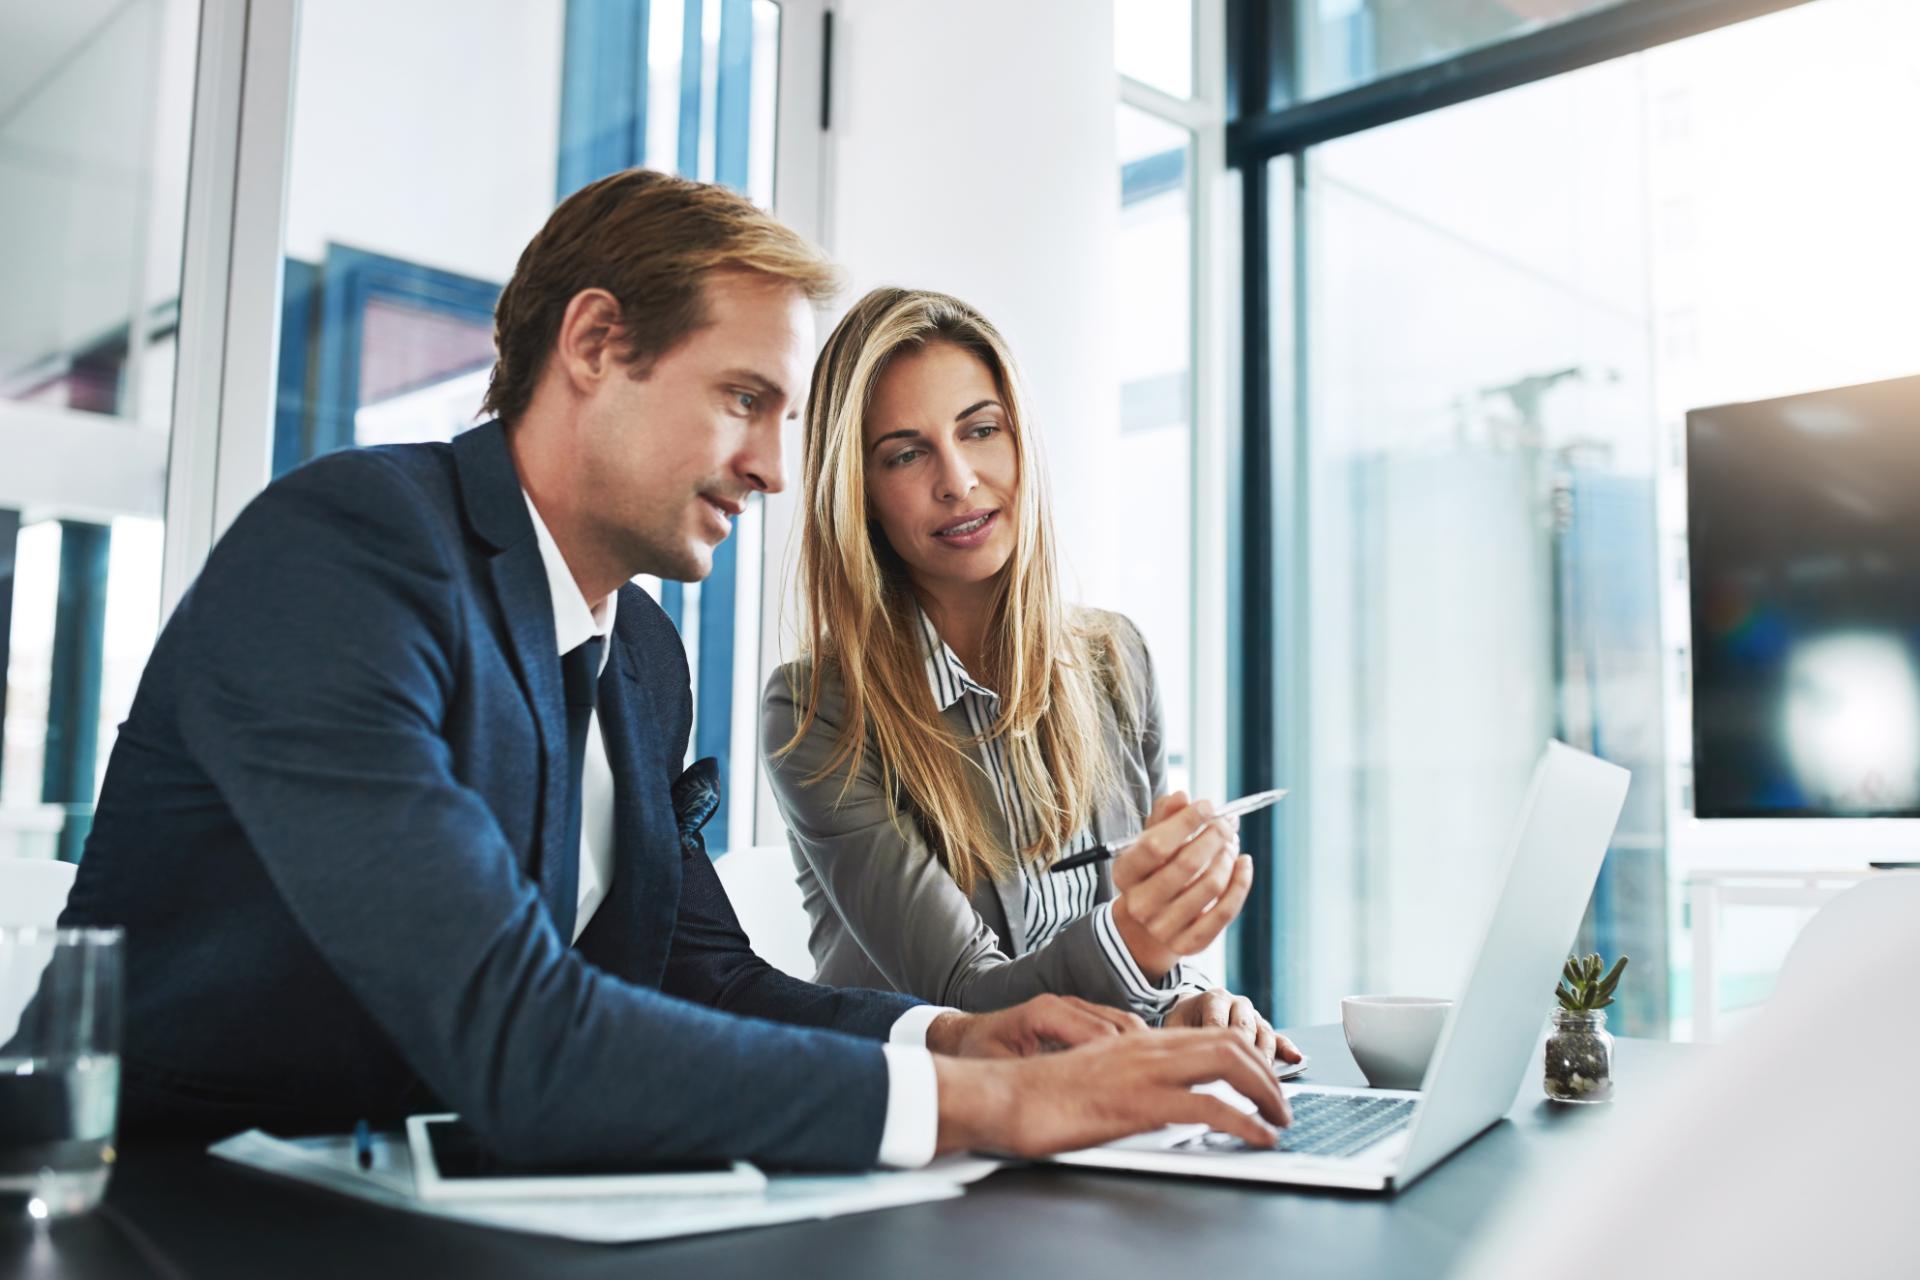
column 59, row 1068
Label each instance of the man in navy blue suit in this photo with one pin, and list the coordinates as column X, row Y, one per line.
column 398, row 820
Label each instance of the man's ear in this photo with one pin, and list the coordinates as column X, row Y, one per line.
column 587, row 346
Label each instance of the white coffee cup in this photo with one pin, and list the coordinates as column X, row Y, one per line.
column 1392, row 1037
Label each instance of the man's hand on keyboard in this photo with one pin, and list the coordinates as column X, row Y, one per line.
column 1111, row 1088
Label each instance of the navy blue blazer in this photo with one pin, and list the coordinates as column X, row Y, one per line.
column 322, row 826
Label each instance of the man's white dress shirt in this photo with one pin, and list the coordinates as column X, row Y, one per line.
column 911, row 1130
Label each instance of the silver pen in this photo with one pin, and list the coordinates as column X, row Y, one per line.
column 1232, row 809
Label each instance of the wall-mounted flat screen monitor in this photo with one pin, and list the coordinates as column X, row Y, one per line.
column 1804, row 541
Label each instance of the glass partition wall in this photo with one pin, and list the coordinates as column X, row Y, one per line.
column 404, row 220
column 95, row 103
column 288, row 224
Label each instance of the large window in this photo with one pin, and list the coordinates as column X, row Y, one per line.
column 1505, row 309
column 1479, row 507
column 95, row 103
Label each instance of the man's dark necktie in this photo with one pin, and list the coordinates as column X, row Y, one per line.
column 560, row 872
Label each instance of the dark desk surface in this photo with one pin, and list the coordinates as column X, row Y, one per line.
column 175, row 1213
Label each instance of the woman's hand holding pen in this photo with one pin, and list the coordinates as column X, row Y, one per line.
column 1180, row 884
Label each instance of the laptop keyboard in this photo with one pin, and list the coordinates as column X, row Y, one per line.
column 1324, row 1124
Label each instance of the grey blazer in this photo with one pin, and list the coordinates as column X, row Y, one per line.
column 886, row 914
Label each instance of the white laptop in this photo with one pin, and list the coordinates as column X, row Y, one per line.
column 1383, row 1139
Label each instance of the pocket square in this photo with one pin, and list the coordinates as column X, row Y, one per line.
column 696, row 797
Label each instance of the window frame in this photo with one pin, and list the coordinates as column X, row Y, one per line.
column 1212, row 267
column 221, row 449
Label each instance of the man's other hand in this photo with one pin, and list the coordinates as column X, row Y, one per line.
column 1040, row 1025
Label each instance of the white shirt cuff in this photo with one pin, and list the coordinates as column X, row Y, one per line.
column 1150, row 1000
column 911, row 1027
column 912, row 1128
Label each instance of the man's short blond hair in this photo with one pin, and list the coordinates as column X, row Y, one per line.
column 649, row 239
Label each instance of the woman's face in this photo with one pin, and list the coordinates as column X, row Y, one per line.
column 942, row 468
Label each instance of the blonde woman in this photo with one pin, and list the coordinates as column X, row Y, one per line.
column 954, row 727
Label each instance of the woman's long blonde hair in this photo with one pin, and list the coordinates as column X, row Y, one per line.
column 1051, row 666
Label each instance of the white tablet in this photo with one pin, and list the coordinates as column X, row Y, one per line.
column 451, row 1163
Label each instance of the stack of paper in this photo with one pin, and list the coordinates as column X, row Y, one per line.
column 330, row 1162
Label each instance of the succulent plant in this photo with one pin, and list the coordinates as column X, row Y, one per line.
column 1583, row 988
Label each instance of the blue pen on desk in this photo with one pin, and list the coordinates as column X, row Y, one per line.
column 363, row 1144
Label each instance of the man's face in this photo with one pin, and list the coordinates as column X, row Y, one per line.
column 669, row 459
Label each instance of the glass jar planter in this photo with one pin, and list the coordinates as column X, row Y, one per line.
column 1579, row 1057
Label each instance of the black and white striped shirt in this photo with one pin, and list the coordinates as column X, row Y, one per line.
column 1049, row 902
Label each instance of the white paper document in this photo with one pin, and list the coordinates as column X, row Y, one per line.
column 330, row 1162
